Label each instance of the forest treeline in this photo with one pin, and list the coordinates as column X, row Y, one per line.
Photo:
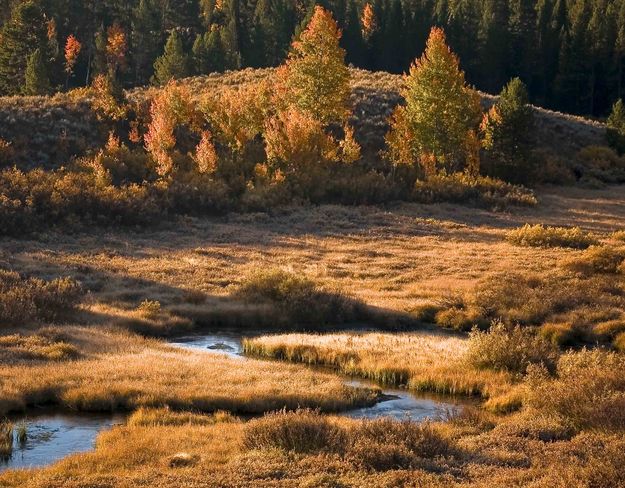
column 569, row 53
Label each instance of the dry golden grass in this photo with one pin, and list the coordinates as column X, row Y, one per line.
column 382, row 454
column 396, row 260
column 145, row 373
column 421, row 361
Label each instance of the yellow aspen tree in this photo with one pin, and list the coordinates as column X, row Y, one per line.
column 439, row 113
column 315, row 79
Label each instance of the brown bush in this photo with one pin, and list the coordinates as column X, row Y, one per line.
column 301, row 431
column 480, row 191
column 510, row 349
column 588, row 390
column 299, row 299
column 25, row 299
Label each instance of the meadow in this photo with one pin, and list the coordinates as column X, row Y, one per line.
column 359, row 233
column 393, row 266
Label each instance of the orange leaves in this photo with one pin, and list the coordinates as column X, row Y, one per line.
column 72, row 50
column 368, row 21
column 206, row 155
column 172, row 106
column 298, row 140
column 116, row 47
column 237, row 115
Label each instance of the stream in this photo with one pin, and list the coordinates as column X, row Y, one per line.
column 397, row 403
column 52, row 435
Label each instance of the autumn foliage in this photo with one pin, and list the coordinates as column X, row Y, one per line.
column 170, row 108
column 72, row 50
column 315, row 79
column 436, row 128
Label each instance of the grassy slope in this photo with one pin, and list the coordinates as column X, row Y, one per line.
column 393, row 259
column 49, row 130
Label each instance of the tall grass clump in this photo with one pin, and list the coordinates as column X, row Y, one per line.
column 544, row 236
column 384, row 444
column 380, row 444
column 147, row 417
column 509, row 349
column 299, row 300
column 6, row 438
column 24, row 299
column 302, row 431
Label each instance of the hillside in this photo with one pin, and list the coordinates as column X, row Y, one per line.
column 48, row 131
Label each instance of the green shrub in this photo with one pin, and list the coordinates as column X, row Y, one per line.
column 300, row 300
column 302, row 431
column 25, row 299
column 479, row 191
column 544, row 236
column 509, row 349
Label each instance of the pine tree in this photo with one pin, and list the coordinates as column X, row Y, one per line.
column 173, row 64
column 440, row 115
column 36, row 80
column 315, row 78
column 145, row 39
column 615, row 133
column 508, row 135
column 494, row 42
column 522, row 28
column 24, row 33
column 209, row 53
column 352, row 37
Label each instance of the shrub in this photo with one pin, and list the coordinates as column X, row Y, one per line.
column 6, row 153
column 302, row 431
column 543, row 236
column 384, row 444
column 510, row 349
column 588, row 390
column 381, row 444
column 533, row 425
column 300, row 299
column 150, row 309
column 24, row 299
column 599, row 164
column 562, row 334
column 479, row 191
column 598, row 259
